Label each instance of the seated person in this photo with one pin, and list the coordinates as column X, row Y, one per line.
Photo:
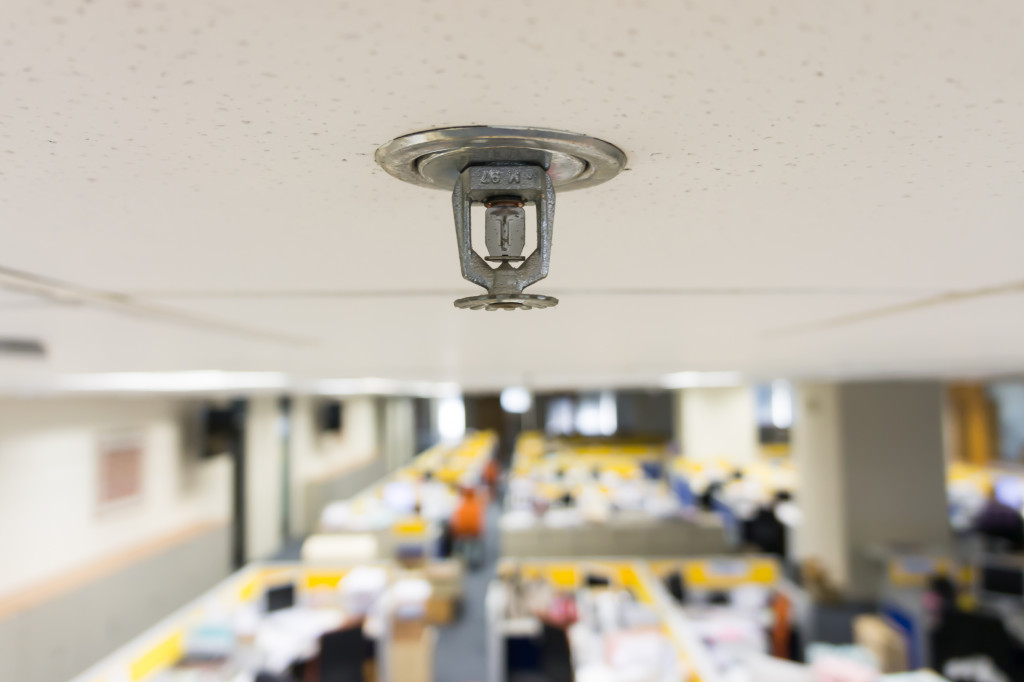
column 766, row 531
column 967, row 644
column 345, row 655
column 706, row 499
column 1001, row 523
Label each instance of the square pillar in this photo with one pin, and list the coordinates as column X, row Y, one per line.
column 872, row 468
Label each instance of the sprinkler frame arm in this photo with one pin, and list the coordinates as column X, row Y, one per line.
column 480, row 184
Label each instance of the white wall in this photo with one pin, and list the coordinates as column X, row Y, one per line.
column 318, row 457
column 49, row 523
column 48, row 474
column 718, row 422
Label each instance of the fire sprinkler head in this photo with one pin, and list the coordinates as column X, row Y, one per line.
column 503, row 169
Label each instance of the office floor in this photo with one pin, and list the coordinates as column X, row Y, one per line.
column 461, row 654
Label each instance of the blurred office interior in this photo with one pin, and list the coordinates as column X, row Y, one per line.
column 761, row 421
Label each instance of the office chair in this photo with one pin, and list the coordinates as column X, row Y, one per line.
column 342, row 654
column 555, row 657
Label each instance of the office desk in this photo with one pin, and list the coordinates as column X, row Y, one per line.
column 280, row 641
column 236, row 635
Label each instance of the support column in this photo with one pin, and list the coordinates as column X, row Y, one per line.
column 263, row 480
column 396, row 428
column 871, row 464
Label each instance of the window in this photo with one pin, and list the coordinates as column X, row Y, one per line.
column 774, row 405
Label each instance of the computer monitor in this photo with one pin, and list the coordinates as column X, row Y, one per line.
column 399, row 496
column 280, row 597
column 1003, row 580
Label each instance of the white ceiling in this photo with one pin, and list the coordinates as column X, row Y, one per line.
column 789, row 164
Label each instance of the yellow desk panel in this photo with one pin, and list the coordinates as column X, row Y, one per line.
column 166, row 653
column 322, row 579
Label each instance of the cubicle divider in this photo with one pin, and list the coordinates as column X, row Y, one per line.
column 343, row 485
column 636, row 537
column 720, row 573
column 585, row 500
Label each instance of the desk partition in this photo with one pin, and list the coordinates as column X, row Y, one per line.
column 572, row 500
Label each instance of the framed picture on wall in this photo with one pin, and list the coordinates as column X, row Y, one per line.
column 120, row 460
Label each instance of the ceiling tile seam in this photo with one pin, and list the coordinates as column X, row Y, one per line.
column 1015, row 287
column 69, row 294
column 656, row 291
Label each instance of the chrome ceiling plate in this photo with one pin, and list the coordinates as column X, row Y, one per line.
column 435, row 158
column 507, row 302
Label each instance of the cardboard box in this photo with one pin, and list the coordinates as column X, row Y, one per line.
column 370, row 671
column 445, row 578
column 412, row 655
column 408, row 630
column 442, row 610
column 444, row 571
column 883, row 640
column 412, row 563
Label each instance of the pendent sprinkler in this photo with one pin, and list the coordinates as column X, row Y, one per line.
column 504, row 169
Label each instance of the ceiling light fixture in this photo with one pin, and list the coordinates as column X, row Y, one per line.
column 379, row 386
column 504, row 169
column 516, row 400
column 191, row 381
column 702, row 380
